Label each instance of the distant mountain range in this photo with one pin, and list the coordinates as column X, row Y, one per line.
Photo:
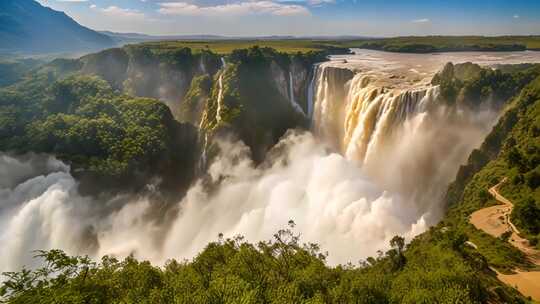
column 27, row 27
column 123, row 38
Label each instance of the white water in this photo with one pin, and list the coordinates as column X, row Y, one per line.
column 204, row 153
column 220, row 90
column 395, row 150
column 220, row 97
column 388, row 121
column 311, row 91
column 292, row 100
column 331, row 201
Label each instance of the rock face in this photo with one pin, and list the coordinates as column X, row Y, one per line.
column 139, row 71
column 28, row 27
column 258, row 96
column 255, row 94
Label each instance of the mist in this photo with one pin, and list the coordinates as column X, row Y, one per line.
column 332, row 202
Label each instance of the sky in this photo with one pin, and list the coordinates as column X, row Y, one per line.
column 375, row 18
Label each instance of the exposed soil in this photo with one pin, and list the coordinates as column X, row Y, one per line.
column 495, row 221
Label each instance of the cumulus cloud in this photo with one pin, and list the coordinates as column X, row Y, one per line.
column 233, row 9
column 423, row 20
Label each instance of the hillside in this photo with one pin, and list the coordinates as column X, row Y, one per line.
column 509, row 152
column 30, row 28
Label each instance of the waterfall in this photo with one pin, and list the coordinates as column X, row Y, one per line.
column 295, row 105
column 373, row 113
column 357, row 113
column 204, row 153
column 328, row 105
column 291, row 89
column 396, row 131
column 220, row 89
column 311, row 91
column 220, row 97
column 202, row 66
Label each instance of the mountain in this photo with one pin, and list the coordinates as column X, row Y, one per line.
column 28, row 27
column 123, row 38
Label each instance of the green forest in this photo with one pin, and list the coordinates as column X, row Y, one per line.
column 437, row 267
column 104, row 135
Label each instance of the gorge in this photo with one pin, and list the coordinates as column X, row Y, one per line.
column 356, row 149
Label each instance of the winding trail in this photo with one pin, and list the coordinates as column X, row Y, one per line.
column 495, row 221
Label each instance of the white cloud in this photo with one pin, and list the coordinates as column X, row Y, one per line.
column 423, row 20
column 516, row 16
column 116, row 11
column 233, row 9
column 309, row 2
column 320, row 2
column 71, row 0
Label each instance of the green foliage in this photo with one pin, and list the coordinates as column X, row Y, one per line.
column 468, row 84
column 103, row 135
column 192, row 106
column 14, row 70
column 432, row 44
column 425, row 44
column 436, row 267
column 251, row 103
column 510, row 151
column 226, row 47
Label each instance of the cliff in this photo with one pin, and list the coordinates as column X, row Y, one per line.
column 258, row 95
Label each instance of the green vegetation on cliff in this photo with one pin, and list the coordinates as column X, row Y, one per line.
column 105, row 136
column 251, row 103
column 510, row 151
column 94, row 112
column 437, row 267
column 468, row 84
column 193, row 104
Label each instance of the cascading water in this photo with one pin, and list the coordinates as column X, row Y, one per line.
column 311, row 91
column 220, row 90
column 372, row 113
column 204, row 153
column 292, row 100
column 395, row 128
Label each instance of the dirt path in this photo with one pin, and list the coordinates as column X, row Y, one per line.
column 495, row 221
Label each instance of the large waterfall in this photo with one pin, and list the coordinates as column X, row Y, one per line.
column 396, row 130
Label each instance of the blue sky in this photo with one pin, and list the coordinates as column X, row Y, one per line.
column 307, row 17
